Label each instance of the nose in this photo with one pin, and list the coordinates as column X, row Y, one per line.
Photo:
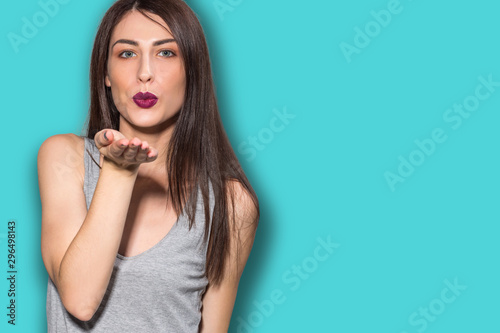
column 145, row 73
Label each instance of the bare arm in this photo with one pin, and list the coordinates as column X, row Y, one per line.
column 79, row 247
column 218, row 301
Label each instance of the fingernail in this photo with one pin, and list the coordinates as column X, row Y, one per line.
column 105, row 136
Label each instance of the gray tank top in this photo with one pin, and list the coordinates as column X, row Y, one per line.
column 158, row 290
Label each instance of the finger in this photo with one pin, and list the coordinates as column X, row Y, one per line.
column 142, row 152
column 118, row 147
column 103, row 138
column 131, row 150
column 152, row 155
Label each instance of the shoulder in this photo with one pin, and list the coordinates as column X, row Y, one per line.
column 62, row 154
column 62, row 146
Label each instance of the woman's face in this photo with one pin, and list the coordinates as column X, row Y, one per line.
column 143, row 57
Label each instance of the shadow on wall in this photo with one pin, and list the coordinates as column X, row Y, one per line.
column 253, row 274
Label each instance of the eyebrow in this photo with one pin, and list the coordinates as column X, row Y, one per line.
column 133, row 42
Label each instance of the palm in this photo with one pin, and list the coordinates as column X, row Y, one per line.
column 122, row 151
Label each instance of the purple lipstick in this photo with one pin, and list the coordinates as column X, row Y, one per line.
column 145, row 100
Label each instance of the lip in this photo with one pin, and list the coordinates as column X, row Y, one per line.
column 145, row 100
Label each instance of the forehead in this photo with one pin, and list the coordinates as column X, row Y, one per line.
column 136, row 26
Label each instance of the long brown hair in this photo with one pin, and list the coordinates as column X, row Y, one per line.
column 199, row 150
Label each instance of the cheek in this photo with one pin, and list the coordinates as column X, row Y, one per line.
column 116, row 98
column 173, row 81
column 180, row 80
column 180, row 89
column 118, row 80
column 118, row 73
column 118, row 91
column 181, row 84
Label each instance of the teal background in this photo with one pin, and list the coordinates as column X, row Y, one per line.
column 322, row 174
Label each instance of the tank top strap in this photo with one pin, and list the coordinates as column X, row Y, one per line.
column 91, row 161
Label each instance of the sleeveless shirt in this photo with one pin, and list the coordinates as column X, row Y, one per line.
column 158, row 290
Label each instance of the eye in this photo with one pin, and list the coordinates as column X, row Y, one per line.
column 167, row 53
column 126, row 54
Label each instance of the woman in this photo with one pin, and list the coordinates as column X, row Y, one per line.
column 158, row 238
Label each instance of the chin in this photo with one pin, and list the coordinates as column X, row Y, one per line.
column 148, row 121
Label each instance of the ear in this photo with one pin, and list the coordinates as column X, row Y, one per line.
column 106, row 80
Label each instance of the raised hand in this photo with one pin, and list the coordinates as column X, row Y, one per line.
column 122, row 152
